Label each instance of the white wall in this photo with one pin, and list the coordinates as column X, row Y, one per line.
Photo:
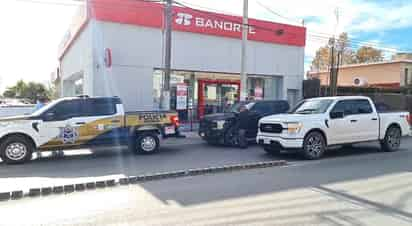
column 136, row 51
column 78, row 61
column 210, row 53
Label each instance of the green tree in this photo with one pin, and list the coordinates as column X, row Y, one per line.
column 9, row 93
column 30, row 91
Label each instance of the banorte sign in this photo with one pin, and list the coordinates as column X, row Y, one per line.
column 187, row 19
column 149, row 14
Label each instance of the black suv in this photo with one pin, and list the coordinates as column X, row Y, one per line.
column 222, row 128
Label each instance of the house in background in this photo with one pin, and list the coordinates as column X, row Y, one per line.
column 387, row 74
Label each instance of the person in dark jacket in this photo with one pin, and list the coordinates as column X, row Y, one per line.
column 243, row 126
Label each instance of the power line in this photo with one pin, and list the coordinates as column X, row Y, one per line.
column 328, row 36
column 229, row 20
column 371, row 44
column 278, row 14
column 208, row 9
column 356, row 47
column 356, row 44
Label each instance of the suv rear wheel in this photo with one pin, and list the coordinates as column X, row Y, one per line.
column 16, row 149
column 145, row 143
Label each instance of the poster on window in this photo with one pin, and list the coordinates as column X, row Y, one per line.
column 258, row 93
column 181, row 96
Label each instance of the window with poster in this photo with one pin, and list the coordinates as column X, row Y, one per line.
column 265, row 87
column 181, row 89
column 256, row 86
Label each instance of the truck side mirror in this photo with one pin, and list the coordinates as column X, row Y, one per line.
column 49, row 116
column 337, row 114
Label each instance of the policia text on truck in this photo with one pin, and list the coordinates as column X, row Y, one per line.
column 69, row 123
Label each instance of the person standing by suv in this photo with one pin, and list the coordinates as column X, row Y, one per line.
column 243, row 121
column 223, row 128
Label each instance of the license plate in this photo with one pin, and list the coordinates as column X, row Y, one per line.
column 169, row 130
column 266, row 141
column 220, row 125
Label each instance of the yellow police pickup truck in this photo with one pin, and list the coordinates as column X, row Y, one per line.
column 79, row 122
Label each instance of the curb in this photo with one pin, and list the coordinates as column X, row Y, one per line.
column 70, row 188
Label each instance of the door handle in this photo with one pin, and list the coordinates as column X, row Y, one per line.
column 353, row 120
column 80, row 123
column 115, row 121
column 374, row 119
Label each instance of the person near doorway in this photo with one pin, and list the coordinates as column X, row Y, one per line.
column 243, row 126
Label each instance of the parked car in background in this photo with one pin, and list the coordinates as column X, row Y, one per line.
column 315, row 124
column 75, row 122
column 222, row 128
column 13, row 107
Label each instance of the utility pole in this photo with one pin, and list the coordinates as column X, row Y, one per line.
column 332, row 66
column 243, row 73
column 334, row 70
column 165, row 95
column 338, row 63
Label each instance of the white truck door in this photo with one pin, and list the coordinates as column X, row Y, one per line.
column 368, row 121
column 343, row 130
column 58, row 129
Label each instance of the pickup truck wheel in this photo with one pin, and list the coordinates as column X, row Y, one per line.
column 271, row 150
column 392, row 140
column 147, row 143
column 16, row 149
column 314, row 146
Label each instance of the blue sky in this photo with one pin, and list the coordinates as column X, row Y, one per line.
column 31, row 32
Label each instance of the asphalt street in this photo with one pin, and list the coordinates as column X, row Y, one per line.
column 356, row 186
column 105, row 163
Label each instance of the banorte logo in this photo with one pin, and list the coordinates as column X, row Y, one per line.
column 187, row 19
column 184, row 19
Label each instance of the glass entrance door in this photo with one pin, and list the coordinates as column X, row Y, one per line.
column 216, row 95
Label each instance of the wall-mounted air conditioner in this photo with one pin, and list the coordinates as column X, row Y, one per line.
column 360, row 81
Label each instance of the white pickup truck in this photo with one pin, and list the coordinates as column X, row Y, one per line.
column 318, row 123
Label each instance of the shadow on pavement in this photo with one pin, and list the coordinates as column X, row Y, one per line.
column 115, row 161
column 358, row 163
column 119, row 160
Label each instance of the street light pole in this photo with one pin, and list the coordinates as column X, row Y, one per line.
column 243, row 73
